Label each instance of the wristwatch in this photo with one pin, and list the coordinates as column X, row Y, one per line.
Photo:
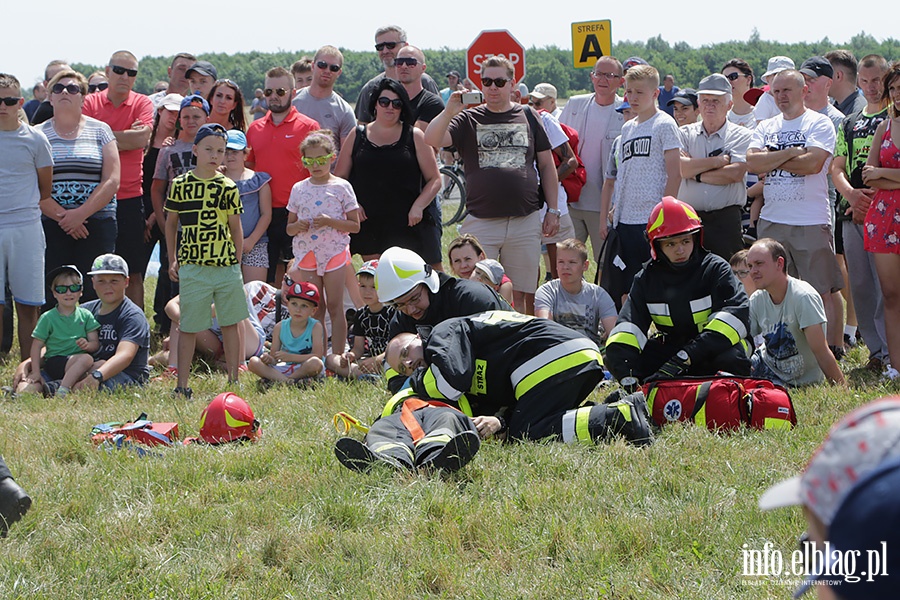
column 554, row 211
column 97, row 375
column 684, row 357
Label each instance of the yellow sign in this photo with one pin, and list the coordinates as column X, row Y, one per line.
column 590, row 41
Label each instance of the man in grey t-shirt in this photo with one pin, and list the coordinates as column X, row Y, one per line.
column 320, row 102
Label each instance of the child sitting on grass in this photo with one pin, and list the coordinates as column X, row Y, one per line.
column 370, row 332
column 68, row 332
column 492, row 274
column 298, row 343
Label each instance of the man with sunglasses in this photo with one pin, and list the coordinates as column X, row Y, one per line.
column 426, row 105
column 274, row 144
column 501, row 143
column 320, row 102
column 130, row 116
column 388, row 42
column 598, row 122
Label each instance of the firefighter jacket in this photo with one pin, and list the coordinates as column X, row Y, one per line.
column 486, row 363
column 454, row 298
column 700, row 308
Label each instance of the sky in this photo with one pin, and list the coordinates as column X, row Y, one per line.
column 67, row 30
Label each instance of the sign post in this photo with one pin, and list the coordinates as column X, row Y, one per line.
column 498, row 42
column 590, row 41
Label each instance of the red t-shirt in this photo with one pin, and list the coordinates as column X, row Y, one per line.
column 275, row 149
column 136, row 107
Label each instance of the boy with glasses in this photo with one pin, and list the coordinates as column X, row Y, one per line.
column 26, row 178
column 64, row 338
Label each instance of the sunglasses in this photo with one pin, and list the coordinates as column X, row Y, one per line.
column 496, row 81
column 389, row 45
column 62, row 289
column 10, row 101
column 94, row 87
column 384, row 102
column 324, row 65
column 408, row 61
column 279, row 91
column 71, row 88
column 735, row 76
column 122, row 70
column 319, row 161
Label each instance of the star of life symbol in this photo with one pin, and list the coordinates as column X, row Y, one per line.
column 672, row 410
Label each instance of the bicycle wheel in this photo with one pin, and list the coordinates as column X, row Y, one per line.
column 453, row 196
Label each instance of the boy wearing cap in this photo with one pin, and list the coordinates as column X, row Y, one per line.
column 207, row 205
column 369, row 330
column 26, row 178
column 202, row 77
column 122, row 357
column 683, row 107
column 492, row 274
column 298, row 343
column 64, row 336
column 572, row 301
column 848, row 492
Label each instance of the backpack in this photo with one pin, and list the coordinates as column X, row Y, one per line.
column 721, row 403
column 575, row 180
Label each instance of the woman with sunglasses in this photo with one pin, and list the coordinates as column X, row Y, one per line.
column 97, row 82
column 227, row 105
column 740, row 74
column 80, row 217
column 393, row 172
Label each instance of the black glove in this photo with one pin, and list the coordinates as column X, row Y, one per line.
column 673, row 368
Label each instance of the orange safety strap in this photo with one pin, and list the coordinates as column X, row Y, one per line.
column 411, row 405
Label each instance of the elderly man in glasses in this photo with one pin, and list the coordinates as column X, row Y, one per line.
column 130, row 116
column 598, row 123
column 320, row 102
column 500, row 142
column 274, row 144
column 388, row 42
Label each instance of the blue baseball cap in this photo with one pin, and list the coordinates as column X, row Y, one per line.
column 211, row 129
column 196, row 100
column 236, row 140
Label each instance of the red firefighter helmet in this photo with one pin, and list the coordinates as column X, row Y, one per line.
column 672, row 217
column 228, row 418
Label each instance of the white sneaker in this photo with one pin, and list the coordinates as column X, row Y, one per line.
column 890, row 374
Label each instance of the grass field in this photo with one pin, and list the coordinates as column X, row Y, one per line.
column 283, row 519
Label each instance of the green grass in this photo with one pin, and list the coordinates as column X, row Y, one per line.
column 283, row 519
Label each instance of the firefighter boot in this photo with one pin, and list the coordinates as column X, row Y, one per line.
column 456, row 453
column 356, row 456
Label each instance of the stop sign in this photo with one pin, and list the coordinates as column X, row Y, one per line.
column 497, row 42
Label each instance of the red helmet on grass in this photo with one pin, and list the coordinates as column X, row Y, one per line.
column 669, row 218
column 228, row 418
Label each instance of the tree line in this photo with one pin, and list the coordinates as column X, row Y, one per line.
column 688, row 65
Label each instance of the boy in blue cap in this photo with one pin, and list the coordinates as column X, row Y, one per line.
column 207, row 205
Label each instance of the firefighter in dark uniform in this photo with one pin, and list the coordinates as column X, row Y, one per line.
column 513, row 374
column 697, row 306
column 423, row 296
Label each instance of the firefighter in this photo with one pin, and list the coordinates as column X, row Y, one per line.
column 423, row 296
column 698, row 308
column 516, row 375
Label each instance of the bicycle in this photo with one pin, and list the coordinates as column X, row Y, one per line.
column 454, row 192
